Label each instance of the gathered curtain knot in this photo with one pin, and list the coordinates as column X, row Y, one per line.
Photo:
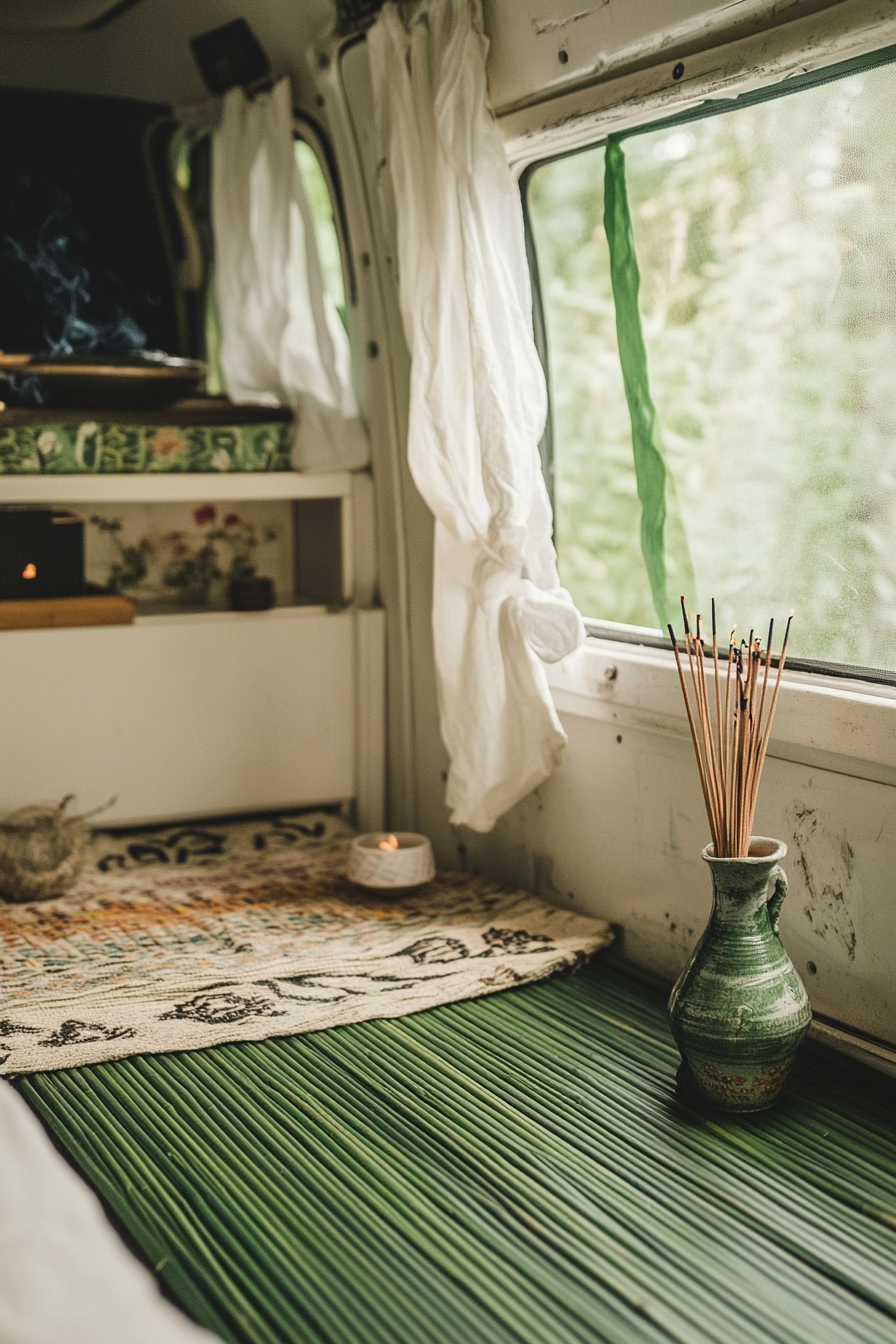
column 545, row 618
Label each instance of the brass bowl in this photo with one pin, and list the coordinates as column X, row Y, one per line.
column 133, row 378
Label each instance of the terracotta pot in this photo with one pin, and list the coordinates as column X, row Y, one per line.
column 739, row 1010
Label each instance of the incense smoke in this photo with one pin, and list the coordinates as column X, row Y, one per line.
column 64, row 286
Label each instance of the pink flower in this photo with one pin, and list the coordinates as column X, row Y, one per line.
column 232, row 520
column 168, row 442
column 206, row 513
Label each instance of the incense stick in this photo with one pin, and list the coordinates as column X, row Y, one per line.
column 731, row 746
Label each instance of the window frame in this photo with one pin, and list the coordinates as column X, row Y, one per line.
column 832, row 723
column 640, row 636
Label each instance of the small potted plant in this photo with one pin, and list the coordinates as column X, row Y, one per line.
column 246, row 589
column 192, row 562
column 131, row 564
column 191, row 569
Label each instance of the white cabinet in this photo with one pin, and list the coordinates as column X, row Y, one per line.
column 203, row 713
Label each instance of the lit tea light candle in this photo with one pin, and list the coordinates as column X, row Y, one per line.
column 396, row 861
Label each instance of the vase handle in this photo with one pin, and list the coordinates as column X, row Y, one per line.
column 776, row 900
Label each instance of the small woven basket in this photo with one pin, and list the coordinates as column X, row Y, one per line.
column 42, row 852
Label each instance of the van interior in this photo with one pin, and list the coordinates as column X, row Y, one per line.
column 447, row 482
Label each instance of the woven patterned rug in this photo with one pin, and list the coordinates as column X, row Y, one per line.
column 158, row 960
column 209, row 843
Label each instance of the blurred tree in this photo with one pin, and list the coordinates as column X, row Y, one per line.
column 766, row 238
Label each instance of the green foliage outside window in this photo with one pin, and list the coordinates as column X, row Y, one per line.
column 321, row 206
column 766, row 239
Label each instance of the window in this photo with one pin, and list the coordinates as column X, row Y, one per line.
column 187, row 181
column 765, row 236
column 320, row 202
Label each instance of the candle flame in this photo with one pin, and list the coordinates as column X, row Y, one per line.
column 391, row 842
column 29, row 572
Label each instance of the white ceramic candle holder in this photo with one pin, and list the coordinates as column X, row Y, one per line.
column 410, row 865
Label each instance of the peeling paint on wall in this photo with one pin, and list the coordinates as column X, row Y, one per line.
column 545, row 887
column 674, row 843
column 827, row 864
column 545, row 26
column 683, row 934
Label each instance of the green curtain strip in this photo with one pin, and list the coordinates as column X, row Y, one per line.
column 518, row 1169
column 650, row 465
column 655, row 486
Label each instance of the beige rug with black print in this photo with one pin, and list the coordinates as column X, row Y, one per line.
column 256, row 936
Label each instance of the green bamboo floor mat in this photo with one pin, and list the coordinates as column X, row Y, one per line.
column 510, row 1170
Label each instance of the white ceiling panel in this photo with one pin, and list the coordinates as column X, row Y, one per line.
column 540, row 47
column 145, row 51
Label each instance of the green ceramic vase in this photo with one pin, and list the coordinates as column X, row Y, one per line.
column 739, row 1010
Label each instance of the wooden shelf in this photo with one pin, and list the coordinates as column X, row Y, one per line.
column 284, row 613
column 170, row 487
column 199, row 410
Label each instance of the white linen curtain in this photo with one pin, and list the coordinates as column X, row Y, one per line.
column 477, row 408
column 282, row 342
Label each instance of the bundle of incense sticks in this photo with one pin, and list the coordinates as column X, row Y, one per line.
column 731, row 726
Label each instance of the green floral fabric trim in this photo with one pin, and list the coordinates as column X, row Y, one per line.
column 70, row 449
